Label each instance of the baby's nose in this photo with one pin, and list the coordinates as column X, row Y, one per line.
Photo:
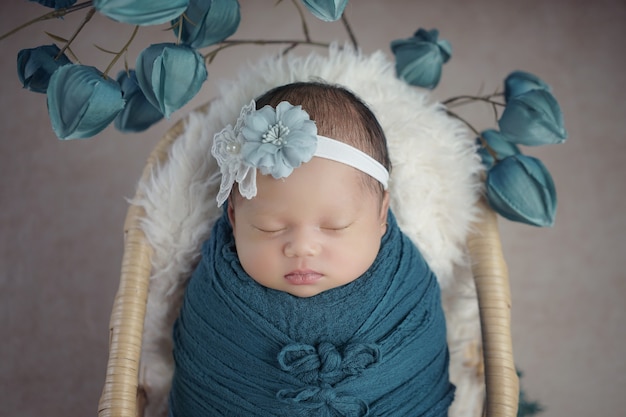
column 302, row 244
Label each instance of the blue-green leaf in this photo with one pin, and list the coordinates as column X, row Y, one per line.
column 35, row 66
column 326, row 10
column 533, row 118
column 521, row 189
column 419, row 59
column 170, row 75
column 519, row 82
column 56, row 4
column 138, row 114
column 81, row 101
column 141, row 12
column 498, row 145
column 208, row 22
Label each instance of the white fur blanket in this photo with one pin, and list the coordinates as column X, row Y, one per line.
column 434, row 186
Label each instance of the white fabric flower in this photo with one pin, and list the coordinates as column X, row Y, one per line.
column 226, row 149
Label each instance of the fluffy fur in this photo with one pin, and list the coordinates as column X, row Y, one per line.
column 434, row 186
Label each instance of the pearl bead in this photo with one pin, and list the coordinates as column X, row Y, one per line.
column 233, row 148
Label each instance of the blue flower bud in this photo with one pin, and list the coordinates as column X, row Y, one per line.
column 519, row 82
column 521, row 189
column 138, row 114
column 498, row 144
column 57, row 4
column 208, row 22
column 170, row 75
column 533, row 118
column 81, row 101
column 141, row 12
column 326, row 10
column 419, row 59
column 36, row 65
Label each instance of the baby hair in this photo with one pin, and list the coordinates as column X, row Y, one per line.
column 338, row 114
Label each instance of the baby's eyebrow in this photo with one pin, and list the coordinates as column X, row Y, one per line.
column 265, row 214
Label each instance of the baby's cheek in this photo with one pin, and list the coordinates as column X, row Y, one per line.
column 249, row 256
column 358, row 255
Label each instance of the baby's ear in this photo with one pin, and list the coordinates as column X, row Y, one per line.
column 384, row 207
column 231, row 212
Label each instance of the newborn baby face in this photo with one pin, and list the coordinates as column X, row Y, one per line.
column 319, row 228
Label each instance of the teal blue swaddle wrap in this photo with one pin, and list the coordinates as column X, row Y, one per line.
column 374, row 347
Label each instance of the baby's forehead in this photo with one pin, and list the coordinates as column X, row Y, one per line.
column 320, row 179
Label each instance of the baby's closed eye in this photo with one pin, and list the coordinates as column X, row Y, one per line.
column 269, row 229
column 336, row 227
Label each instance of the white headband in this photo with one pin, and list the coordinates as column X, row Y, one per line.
column 275, row 141
column 334, row 150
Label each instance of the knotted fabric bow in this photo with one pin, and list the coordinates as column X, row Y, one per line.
column 322, row 368
column 374, row 347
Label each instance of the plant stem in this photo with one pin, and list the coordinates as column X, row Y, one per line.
column 180, row 29
column 121, row 52
column 305, row 28
column 63, row 40
column 87, row 18
column 344, row 20
column 234, row 42
column 480, row 137
column 468, row 124
column 288, row 49
column 469, row 99
column 273, row 42
column 50, row 15
column 495, row 113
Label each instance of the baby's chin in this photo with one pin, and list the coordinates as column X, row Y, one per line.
column 309, row 291
column 306, row 292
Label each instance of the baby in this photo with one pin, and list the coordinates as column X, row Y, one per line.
column 320, row 227
column 308, row 299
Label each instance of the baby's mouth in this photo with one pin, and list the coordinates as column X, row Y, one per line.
column 304, row 277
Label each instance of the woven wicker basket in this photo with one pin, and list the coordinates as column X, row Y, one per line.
column 122, row 396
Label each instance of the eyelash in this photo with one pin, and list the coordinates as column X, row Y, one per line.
column 335, row 229
column 330, row 229
column 268, row 231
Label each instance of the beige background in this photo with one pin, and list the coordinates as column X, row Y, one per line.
column 63, row 203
